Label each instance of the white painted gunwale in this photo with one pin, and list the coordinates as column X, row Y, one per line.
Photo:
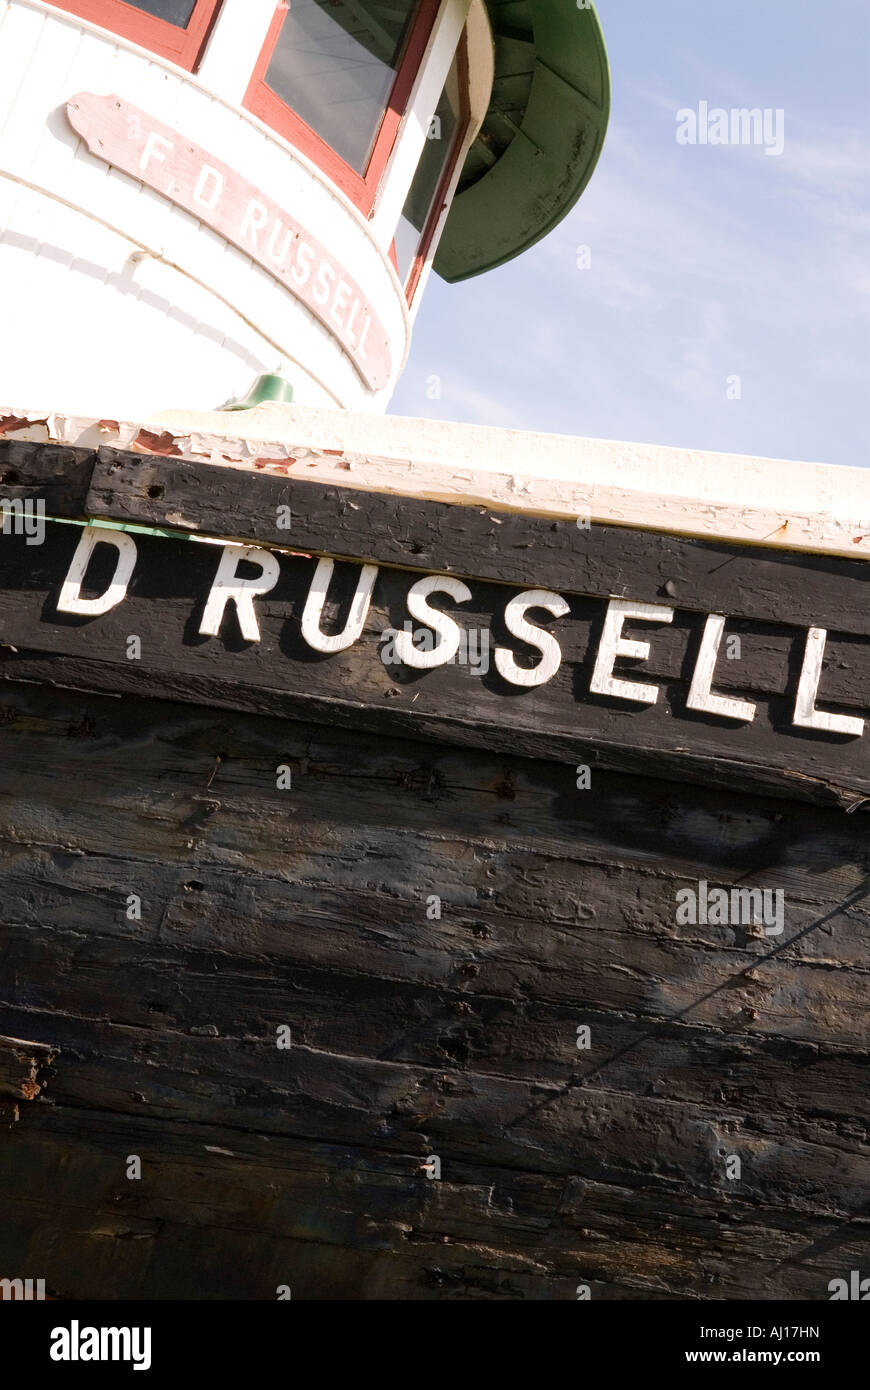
column 776, row 503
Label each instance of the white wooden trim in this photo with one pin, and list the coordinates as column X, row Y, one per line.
column 481, row 62
column 769, row 502
column 234, row 46
column 411, row 141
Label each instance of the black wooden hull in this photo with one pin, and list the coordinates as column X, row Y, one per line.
column 167, row 909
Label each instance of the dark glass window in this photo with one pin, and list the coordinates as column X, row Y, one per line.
column 444, row 133
column 335, row 65
column 178, row 12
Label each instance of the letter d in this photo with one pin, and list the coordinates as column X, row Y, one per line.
column 71, row 600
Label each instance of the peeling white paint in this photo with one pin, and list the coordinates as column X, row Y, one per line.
column 769, row 502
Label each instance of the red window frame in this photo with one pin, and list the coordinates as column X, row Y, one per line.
column 440, row 203
column 362, row 189
column 184, row 47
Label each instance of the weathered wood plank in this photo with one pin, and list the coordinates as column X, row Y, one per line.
column 506, row 547
column 56, row 475
column 765, row 1085
column 196, row 762
column 474, row 960
column 23, row 1067
column 186, row 1228
column 281, row 674
column 429, row 536
column 475, row 1119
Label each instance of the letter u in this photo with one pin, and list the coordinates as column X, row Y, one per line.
column 359, row 609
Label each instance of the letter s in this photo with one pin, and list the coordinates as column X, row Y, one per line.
column 449, row 632
column 544, row 642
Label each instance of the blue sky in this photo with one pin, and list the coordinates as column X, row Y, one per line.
column 707, row 262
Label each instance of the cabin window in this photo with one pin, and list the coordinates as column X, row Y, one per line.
column 425, row 205
column 334, row 78
column 176, row 29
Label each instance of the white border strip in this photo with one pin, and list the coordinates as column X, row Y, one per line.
column 726, row 497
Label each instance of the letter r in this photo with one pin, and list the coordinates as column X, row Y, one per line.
column 228, row 587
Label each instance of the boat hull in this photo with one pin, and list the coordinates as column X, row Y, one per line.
column 323, row 981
